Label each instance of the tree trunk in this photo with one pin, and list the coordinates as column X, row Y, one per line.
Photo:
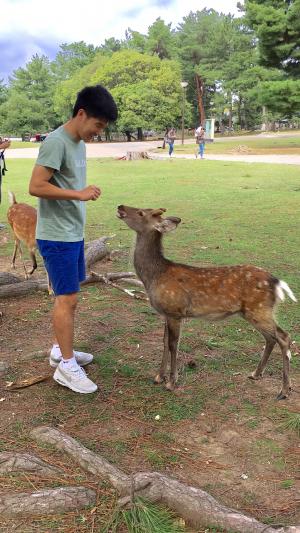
column 200, row 95
column 130, row 156
column 140, row 134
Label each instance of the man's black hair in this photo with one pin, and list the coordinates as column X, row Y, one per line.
column 97, row 102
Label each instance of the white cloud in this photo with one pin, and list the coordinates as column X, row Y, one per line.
column 93, row 21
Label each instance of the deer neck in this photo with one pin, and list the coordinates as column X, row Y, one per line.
column 149, row 261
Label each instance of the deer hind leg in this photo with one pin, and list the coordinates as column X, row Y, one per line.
column 16, row 247
column 173, row 325
column 264, row 322
column 162, row 374
column 284, row 342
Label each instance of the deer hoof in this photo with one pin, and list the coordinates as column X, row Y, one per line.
column 282, row 396
column 255, row 376
column 170, row 386
column 159, row 379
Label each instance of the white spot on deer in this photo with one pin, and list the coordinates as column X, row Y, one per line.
column 289, row 355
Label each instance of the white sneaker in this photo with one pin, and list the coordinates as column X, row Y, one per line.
column 82, row 358
column 74, row 378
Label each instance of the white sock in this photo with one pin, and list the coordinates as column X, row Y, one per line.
column 68, row 363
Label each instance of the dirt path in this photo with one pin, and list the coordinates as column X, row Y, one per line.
column 120, row 149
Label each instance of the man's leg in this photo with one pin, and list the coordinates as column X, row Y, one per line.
column 63, row 322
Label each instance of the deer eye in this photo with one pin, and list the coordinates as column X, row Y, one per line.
column 141, row 213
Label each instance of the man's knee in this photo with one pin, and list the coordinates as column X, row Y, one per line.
column 67, row 300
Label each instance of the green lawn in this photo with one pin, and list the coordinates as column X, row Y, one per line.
column 282, row 145
column 239, row 212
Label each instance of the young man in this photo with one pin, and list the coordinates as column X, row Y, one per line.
column 59, row 181
column 200, row 140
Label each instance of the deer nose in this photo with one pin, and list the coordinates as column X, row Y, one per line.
column 120, row 206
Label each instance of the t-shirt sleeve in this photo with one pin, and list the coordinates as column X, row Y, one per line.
column 51, row 153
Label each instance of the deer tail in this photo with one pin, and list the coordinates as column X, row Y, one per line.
column 282, row 288
column 11, row 198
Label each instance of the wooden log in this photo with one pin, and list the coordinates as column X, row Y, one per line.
column 6, row 278
column 196, row 506
column 96, row 251
column 24, row 287
column 46, row 502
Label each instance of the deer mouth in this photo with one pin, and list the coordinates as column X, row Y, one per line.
column 120, row 212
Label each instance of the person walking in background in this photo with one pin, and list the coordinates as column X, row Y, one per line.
column 200, row 140
column 170, row 140
column 59, row 181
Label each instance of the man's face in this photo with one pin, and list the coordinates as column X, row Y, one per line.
column 89, row 127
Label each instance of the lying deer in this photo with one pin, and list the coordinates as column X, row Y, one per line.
column 22, row 218
column 180, row 291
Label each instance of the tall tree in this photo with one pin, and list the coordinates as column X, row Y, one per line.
column 160, row 40
column 30, row 98
column 71, row 58
column 146, row 89
column 277, row 27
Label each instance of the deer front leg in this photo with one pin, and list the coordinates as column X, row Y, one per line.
column 173, row 335
column 161, row 376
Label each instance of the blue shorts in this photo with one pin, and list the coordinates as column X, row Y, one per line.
column 64, row 262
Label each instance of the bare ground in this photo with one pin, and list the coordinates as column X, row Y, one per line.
column 218, row 431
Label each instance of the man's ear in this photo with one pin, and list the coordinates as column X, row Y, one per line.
column 167, row 224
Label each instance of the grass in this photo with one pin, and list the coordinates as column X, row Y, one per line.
column 291, row 422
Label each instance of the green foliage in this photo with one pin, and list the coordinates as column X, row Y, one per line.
column 143, row 517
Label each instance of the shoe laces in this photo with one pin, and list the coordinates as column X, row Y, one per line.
column 78, row 372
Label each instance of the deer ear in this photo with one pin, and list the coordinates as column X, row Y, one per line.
column 158, row 212
column 168, row 224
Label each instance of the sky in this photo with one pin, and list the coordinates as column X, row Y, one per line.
column 39, row 26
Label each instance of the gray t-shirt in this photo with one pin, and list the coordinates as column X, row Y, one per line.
column 62, row 220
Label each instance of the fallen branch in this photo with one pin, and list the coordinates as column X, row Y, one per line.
column 18, row 462
column 46, row 502
column 104, row 279
column 195, row 505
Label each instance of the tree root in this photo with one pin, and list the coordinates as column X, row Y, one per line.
column 46, row 502
column 196, row 506
column 25, row 462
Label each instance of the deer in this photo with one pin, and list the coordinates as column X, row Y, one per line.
column 22, row 218
column 179, row 291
